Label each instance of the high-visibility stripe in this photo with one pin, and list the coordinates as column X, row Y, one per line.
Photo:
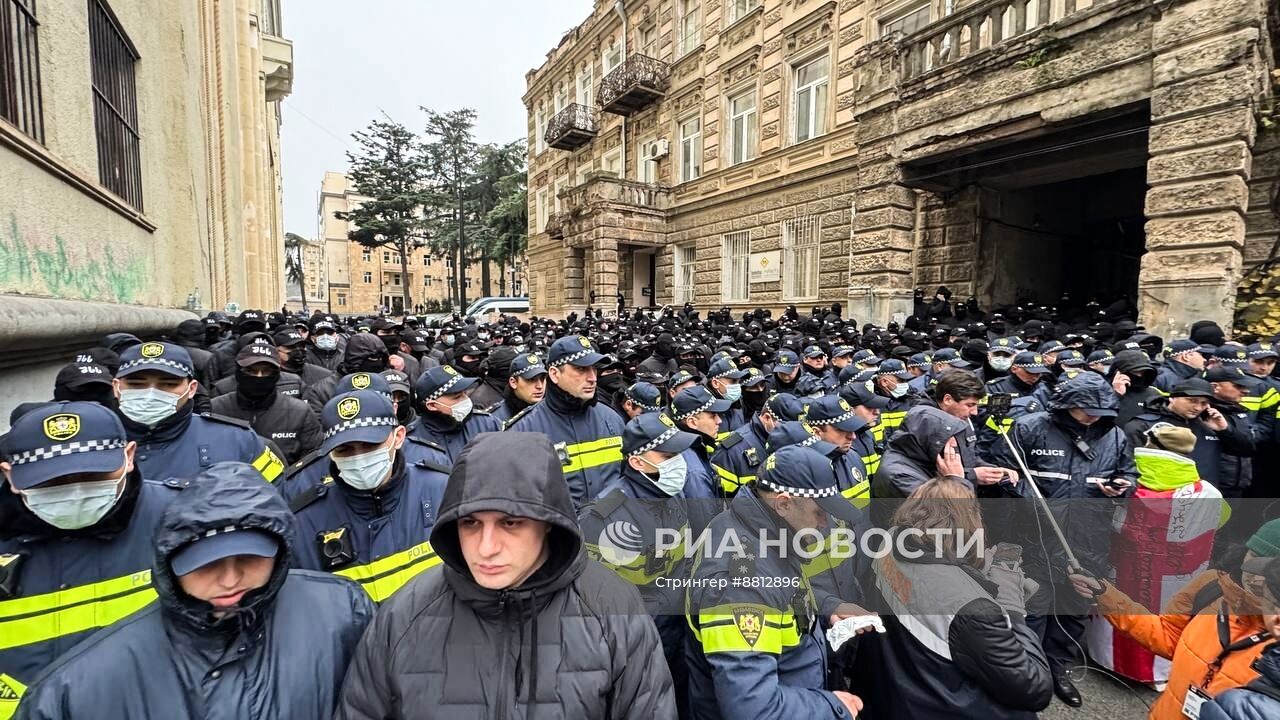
column 635, row 571
column 723, row 435
column 859, row 495
column 877, row 431
column 269, row 465
column 11, row 691
column 38, row 618
column 587, row 455
column 871, row 463
column 1050, row 475
column 729, row 482
column 892, row 420
column 383, row 577
column 721, row 629
column 1002, row 427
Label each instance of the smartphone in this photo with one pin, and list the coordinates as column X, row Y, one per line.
column 998, row 404
column 1205, row 416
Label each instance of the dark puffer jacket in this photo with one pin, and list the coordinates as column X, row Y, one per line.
column 445, row 647
column 1054, row 447
column 910, row 460
column 282, row 654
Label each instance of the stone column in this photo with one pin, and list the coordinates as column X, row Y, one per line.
column 604, row 272
column 880, row 262
column 574, row 273
column 1206, row 74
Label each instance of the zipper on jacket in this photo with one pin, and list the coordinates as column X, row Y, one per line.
column 502, row 671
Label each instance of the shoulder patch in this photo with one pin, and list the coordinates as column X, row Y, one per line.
column 517, row 417
column 731, row 440
column 306, row 460
column 307, row 497
column 177, row 483
column 433, row 466
column 227, row 420
column 607, row 505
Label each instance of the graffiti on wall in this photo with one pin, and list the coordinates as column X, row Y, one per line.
column 31, row 262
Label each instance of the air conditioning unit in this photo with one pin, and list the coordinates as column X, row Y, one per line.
column 655, row 149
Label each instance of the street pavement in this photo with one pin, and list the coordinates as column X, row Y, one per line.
column 1104, row 699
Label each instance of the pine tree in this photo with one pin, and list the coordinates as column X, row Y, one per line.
column 451, row 155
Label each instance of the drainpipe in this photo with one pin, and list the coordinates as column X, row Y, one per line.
column 620, row 8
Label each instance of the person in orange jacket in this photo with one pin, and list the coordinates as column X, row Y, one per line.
column 1189, row 629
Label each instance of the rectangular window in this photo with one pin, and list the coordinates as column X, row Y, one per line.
column 739, row 8
column 691, row 149
column 689, row 27
column 809, row 102
column 648, row 168
column 365, row 256
column 20, row 99
column 906, row 23
column 395, row 279
column 466, row 283
column 612, row 163
column 685, row 273
column 586, row 83
column 562, row 97
column 540, row 129
column 342, row 299
column 742, row 127
column 368, row 278
column 562, row 184
column 115, row 104
column 735, row 256
column 426, row 260
column 541, row 210
column 386, row 257
column 800, row 257
column 426, row 280
column 649, row 41
column 580, row 176
column 611, row 57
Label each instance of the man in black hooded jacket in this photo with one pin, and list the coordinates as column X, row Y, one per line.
column 517, row 621
column 236, row 633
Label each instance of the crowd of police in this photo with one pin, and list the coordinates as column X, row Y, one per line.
column 285, row 516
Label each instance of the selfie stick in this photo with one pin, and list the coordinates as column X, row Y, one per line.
column 1073, row 564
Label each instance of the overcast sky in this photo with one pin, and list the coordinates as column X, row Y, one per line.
column 352, row 61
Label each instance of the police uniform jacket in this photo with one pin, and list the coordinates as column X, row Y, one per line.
column 739, row 454
column 185, row 444
column 60, row 586
column 450, row 434
column 378, row 538
column 756, row 651
column 587, row 437
column 288, row 422
column 283, row 654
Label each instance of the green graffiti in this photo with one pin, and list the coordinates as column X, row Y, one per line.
column 53, row 271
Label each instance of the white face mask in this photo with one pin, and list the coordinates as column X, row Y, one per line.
column 74, row 506
column 671, row 474
column 366, row 471
column 461, row 409
column 1001, row 362
column 733, row 393
column 901, row 389
column 148, row 406
column 327, row 342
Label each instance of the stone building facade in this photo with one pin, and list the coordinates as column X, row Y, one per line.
column 315, row 275
column 361, row 279
column 771, row 152
column 140, row 156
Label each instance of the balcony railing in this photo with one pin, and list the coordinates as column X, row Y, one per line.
column 635, row 84
column 978, row 28
column 571, row 128
column 604, row 188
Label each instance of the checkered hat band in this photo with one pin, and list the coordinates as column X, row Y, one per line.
column 642, row 406
column 665, row 436
column 832, row 421
column 71, row 448
column 1025, row 365
column 359, row 423
column 155, row 361
column 697, row 410
column 570, row 358
column 444, row 389
column 809, row 441
column 799, row 492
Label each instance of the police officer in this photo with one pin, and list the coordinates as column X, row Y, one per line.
column 837, row 422
column 288, row 383
column 153, row 388
column 77, row 536
column 286, row 421
column 401, row 390
column 446, row 415
column 324, row 345
column 890, row 382
column 88, row 382
column 496, row 369
column 649, row 499
column 317, row 382
column 869, row 442
column 526, row 385
column 1024, row 378
column 696, row 410
column 724, row 380
column 740, row 455
column 818, row 379
column 371, row 518
column 586, row 436
column 784, row 373
column 760, row 643
column 640, row 398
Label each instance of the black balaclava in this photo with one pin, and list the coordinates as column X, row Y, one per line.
column 296, row 360
column 256, row 391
